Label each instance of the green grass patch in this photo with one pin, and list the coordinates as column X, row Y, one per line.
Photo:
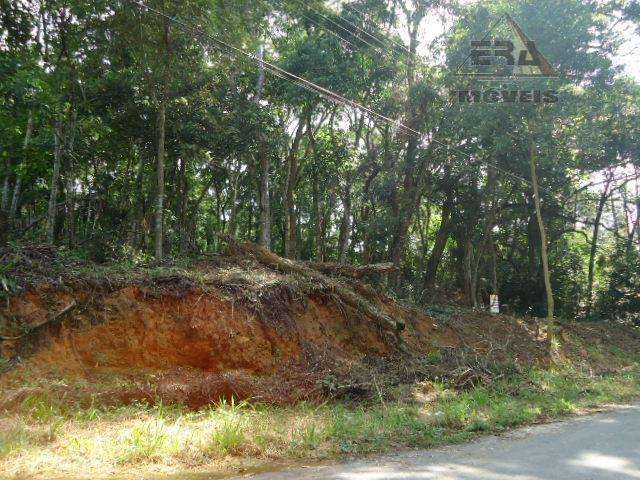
column 13, row 436
column 143, row 442
column 46, row 429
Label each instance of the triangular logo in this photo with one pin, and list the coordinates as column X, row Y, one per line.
column 512, row 55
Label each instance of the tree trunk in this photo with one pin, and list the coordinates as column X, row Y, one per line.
column 543, row 232
column 4, row 204
column 423, row 230
column 614, row 215
column 345, row 224
column 343, row 292
column 637, row 227
column 318, row 221
column 316, row 236
column 183, row 211
column 233, row 215
column 15, row 200
column 265, row 163
column 627, row 207
column 494, row 267
column 137, row 216
column 265, row 200
column 4, row 228
column 409, row 202
column 159, row 213
column 53, row 190
column 160, row 155
column 487, row 242
column 594, row 243
column 414, row 168
column 352, row 271
column 70, row 204
column 469, row 274
column 290, row 237
column 16, row 189
column 440, row 244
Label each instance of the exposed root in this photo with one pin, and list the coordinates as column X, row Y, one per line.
column 346, row 294
column 352, row 271
column 34, row 328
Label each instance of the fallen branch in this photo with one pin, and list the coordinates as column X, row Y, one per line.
column 36, row 327
column 352, row 271
column 345, row 293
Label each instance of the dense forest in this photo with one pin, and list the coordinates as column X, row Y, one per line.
column 146, row 131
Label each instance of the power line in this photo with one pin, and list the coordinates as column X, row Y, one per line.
column 505, row 172
column 403, row 47
column 363, row 17
column 282, row 73
column 329, row 31
column 382, row 41
column 322, row 91
column 341, row 27
column 449, row 103
column 342, row 38
column 626, row 179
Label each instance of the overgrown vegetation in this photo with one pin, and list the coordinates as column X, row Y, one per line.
column 126, row 137
column 140, row 139
column 45, row 433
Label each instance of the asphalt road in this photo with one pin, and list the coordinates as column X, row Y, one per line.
column 597, row 447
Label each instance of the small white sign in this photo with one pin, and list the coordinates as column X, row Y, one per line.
column 495, row 304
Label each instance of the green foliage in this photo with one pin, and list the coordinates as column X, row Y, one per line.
column 144, row 441
column 12, row 438
column 353, row 187
column 228, row 435
column 621, row 299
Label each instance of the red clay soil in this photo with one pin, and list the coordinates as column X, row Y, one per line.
column 197, row 346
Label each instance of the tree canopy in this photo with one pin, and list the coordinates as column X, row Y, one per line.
column 326, row 131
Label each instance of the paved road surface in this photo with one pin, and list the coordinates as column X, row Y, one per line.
column 599, row 447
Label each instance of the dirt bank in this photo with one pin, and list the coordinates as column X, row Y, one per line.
column 233, row 327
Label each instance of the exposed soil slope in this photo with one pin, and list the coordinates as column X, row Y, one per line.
column 231, row 326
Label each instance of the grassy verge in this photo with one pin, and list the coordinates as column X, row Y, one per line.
column 45, row 436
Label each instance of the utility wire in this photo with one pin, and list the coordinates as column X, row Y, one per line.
column 383, row 43
column 363, row 17
column 382, row 40
column 614, row 180
column 282, row 73
column 322, row 91
column 386, row 42
column 449, row 103
column 328, row 30
column 403, row 47
column 348, row 31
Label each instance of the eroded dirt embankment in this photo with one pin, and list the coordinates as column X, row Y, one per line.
column 237, row 328
column 200, row 346
column 197, row 335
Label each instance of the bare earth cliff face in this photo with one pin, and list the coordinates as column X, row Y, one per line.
column 132, row 370
column 237, row 328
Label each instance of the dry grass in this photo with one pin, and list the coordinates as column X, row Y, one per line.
column 43, row 440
